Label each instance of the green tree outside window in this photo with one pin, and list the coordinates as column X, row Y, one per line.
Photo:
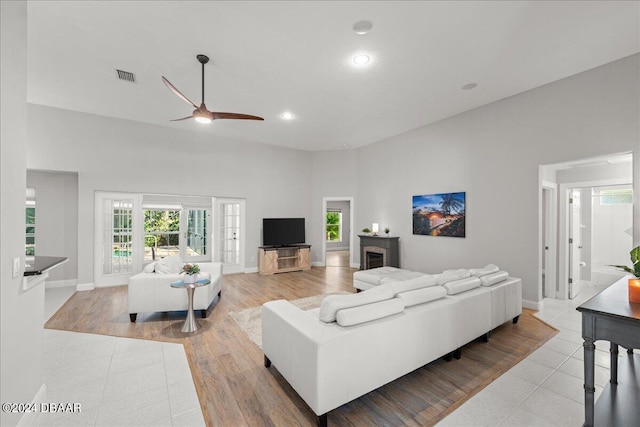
column 334, row 226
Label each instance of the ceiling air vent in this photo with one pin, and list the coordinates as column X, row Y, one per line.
column 125, row 75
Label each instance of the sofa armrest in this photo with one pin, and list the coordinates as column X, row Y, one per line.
column 309, row 353
column 213, row 268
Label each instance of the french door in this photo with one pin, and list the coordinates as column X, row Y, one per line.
column 229, row 234
column 117, row 250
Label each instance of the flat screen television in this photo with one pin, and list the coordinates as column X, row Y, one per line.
column 282, row 231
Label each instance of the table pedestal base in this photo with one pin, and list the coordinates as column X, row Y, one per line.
column 190, row 323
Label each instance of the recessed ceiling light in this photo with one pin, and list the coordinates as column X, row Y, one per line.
column 362, row 27
column 361, row 59
column 287, row 115
column 469, row 86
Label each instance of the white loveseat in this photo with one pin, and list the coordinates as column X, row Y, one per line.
column 151, row 291
column 354, row 344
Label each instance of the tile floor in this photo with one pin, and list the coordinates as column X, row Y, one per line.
column 129, row 382
column 118, row 381
column 545, row 389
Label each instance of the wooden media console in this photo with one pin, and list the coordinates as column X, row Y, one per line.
column 281, row 259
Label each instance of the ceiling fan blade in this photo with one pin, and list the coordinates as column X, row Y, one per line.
column 184, row 118
column 235, row 116
column 177, row 92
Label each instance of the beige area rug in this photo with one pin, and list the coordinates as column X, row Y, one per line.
column 250, row 319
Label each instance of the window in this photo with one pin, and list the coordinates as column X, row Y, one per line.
column 620, row 196
column 30, row 242
column 334, row 226
column 161, row 233
column 176, row 230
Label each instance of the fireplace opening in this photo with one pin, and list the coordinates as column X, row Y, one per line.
column 374, row 257
column 375, row 260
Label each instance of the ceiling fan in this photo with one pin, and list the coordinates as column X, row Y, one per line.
column 201, row 114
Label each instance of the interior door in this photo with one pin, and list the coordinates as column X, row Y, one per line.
column 546, row 242
column 229, row 236
column 575, row 242
column 117, row 253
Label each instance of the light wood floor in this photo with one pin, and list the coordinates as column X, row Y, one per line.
column 234, row 387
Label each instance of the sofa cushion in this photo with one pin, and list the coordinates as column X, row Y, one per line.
column 169, row 265
column 492, row 279
column 334, row 303
column 462, row 285
column 425, row 280
column 401, row 276
column 421, row 296
column 368, row 312
column 452, row 275
column 488, row 269
column 375, row 275
column 149, row 268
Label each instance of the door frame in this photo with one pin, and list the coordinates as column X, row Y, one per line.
column 216, row 202
column 323, row 261
column 563, row 229
column 575, row 238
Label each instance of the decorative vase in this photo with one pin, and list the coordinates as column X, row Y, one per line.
column 190, row 278
column 634, row 290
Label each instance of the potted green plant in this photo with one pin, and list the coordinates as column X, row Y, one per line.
column 634, row 282
column 366, row 230
column 190, row 273
column 387, row 230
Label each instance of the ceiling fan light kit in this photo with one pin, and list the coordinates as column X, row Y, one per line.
column 201, row 114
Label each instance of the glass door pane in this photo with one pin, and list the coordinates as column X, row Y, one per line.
column 230, row 233
column 196, row 233
column 117, row 248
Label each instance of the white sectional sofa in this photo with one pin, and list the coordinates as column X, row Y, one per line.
column 151, row 291
column 356, row 343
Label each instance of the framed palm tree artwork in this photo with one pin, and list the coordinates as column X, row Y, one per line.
column 439, row 214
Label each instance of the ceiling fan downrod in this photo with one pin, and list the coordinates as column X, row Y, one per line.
column 203, row 59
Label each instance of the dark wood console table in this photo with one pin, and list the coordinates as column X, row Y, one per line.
column 610, row 316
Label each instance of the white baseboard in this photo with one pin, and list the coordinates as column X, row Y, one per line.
column 85, row 287
column 61, row 283
column 354, row 265
column 29, row 418
column 109, row 286
column 250, row 270
column 532, row 305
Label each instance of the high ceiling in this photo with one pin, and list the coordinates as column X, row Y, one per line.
column 272, row 56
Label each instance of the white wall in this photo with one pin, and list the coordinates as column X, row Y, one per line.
column 119, row 155
column 21, row 312
column 57, row 219
column 493, row 153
